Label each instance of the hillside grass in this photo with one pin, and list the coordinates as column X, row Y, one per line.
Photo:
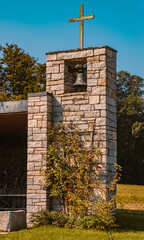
column 130, row 215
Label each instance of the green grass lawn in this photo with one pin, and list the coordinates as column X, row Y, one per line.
column 54, row 233
column 130, row 215
column 130, row 197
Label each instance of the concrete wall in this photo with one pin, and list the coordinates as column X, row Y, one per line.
column 13, row 107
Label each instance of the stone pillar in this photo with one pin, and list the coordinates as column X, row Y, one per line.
column 39, row 115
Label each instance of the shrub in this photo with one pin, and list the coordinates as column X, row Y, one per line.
column 46, row 217
column 72, row 170
column 74, row 175
column 56, row 218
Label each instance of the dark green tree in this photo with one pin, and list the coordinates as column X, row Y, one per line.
column 131, row 127
column 20, row 73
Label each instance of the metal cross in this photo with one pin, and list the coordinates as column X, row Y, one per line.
column 81, row 19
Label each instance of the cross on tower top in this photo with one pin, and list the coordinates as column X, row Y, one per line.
column 81, row 19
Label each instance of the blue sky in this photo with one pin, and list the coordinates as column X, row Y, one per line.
column 42, row 26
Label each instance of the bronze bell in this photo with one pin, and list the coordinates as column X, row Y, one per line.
column 80, row 79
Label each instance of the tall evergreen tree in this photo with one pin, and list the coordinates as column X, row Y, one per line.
column 20, row 73
column 131, row 127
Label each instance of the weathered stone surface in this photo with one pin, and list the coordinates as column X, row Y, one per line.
column 85, row 107
column 103, row 74
column 109, row 53
column 93, row 75
column 100, row 51
column 89, row 66
column 94, row 99
column 67, row 102
column 51, row 57
column 49, row 64
column 73, row 55
column 42, row 124
column 93, row 59
column 34, row 157
column 34, row 109
column 103, row 57
column 73, row 118
column 99, row 90
column 62, row 67
column 34, row 144
column 58, row 82
column 57, row 76
column 102, row 81
column 55, row 69
column 98, row 66
column 100, row 106
column 92, row 82
column 12, row 220
column 32, row 123
column 57, row 87
column 103, row 99
column 93, row 113
column 100, row 121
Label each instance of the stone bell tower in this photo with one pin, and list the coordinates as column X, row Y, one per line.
column 91, row 107
column 80, row 89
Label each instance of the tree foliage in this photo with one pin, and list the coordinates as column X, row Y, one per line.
column 20, row 73
column 131, row 127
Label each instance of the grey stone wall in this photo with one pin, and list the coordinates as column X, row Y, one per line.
column 39, row 115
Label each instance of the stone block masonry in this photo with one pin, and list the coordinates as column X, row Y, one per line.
column 93, row 110
column 39, row 115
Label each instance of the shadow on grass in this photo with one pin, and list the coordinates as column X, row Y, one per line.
column 130, row 219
